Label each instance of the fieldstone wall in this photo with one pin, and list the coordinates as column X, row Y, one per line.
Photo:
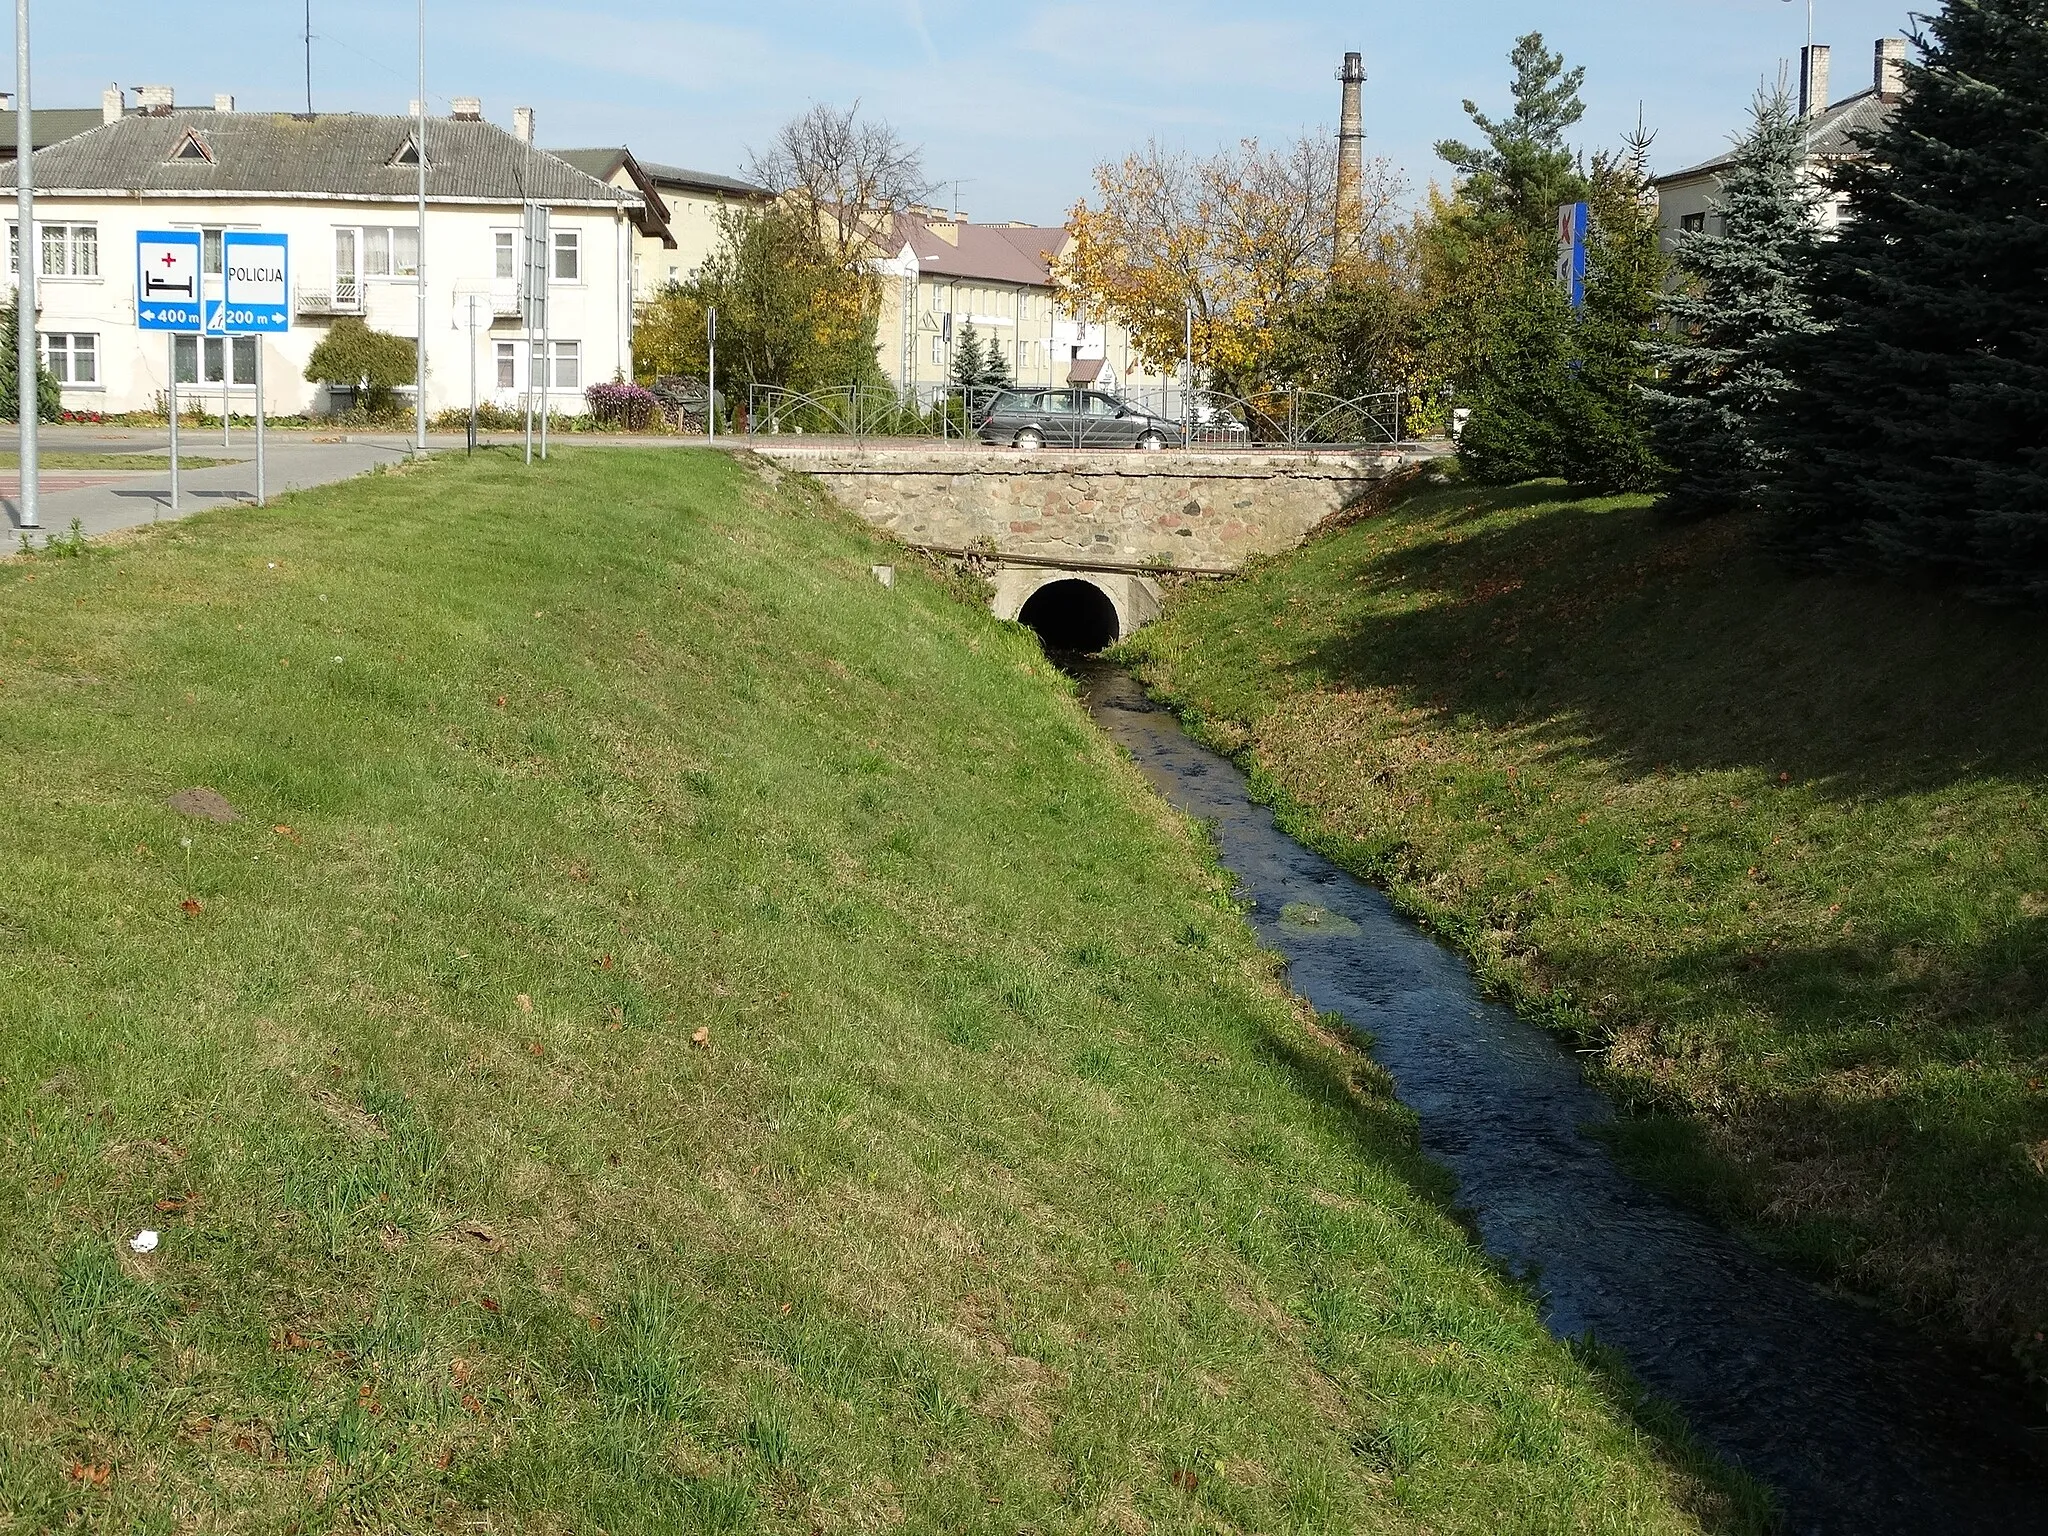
column 1202, row 512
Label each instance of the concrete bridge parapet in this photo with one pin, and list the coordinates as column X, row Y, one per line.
column 1197, row 511
column 1079, row 539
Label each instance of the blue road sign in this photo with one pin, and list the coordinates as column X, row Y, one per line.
column 1574, row 226
column 167, row 280
column 256, row 285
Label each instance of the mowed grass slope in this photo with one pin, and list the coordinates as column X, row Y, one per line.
column 1006, row 1190
column 1776, row 847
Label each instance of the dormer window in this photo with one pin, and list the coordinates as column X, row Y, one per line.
column 192, row 147
column 408, row 153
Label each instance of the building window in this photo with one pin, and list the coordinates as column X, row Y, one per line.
column 508, row 365
column 568, row 256
column 71, row 357
column 503, row 255
column 938, row 350
column 217, row 355
column 391, row 250
column 211, row 260
column 69, row 250
column 1693, row 223
column 568, row 370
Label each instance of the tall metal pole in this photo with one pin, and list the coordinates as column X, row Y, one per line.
column 419, row 401
column 28, row 371
column 711, row 371
column 262, row 497
column 309, row 58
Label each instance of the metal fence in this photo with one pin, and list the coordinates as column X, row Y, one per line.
column 1279, row 420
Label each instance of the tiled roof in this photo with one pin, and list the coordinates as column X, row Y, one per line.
column 51, row 125
column 995, row 253
column 1831, row 135
column 343, row 155
column 604, row 164
column 701, row 181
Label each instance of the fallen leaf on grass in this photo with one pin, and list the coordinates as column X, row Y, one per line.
column 525, row 1003
column 470, row 1403
column 500, row 701
column 174, row 1203
column 701, row 1039
column 477, row 1232
column 1184, row 1478
column 488, row 1304
column 95, row 1473
column 536, row 1048
column 283, row 831
column 605, row 963
column 444, row 1458
column 190, row 907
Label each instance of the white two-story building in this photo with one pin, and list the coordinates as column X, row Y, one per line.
column 343, row 187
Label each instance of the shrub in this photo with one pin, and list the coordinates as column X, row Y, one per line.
column 624, row 406
column 352, row 356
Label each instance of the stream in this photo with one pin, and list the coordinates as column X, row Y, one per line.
column 1856, row 1424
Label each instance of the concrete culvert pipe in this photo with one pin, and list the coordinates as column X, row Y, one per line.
column 1071, row 615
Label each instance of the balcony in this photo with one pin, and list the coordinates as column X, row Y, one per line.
column 344, row 297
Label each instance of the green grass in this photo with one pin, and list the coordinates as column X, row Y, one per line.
column 1009, row 1189
column 60, row 459
column 1776, row 847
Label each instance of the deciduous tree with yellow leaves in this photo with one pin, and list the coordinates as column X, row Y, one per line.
column 1243, row 238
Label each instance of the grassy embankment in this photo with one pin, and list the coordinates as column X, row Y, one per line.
column 1004, row 1187
column 1776, row 847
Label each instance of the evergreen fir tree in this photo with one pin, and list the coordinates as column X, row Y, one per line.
column 995, row 365
column 1525, row 169
column 1739, row 298
column 1517, row 427
column 1606, row 431
column 1916, row 434
column 49, row 393
column 970, row 364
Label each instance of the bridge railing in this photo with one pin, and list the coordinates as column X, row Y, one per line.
column 1278, row 420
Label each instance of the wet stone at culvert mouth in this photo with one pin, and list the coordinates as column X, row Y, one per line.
column 206, row 804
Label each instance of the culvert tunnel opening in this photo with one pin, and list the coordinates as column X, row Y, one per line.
column 1072, row 615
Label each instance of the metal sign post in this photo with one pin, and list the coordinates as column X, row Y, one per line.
column 28, row 356
column 533, row 307
column 255, row 301
column 711, row 372
column 167, row 298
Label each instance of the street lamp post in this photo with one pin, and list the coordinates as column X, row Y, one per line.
column 27, row 361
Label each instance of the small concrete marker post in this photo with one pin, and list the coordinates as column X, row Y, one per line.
column 167, row 299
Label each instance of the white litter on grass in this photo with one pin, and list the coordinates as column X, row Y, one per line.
column 143, row 1242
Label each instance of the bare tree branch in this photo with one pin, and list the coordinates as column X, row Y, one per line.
column 852, row 175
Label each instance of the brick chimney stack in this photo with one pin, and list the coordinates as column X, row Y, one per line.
column 1890, row 74
column 1351, row 160
column 156, row 100
column 522, row 124
column 113, row 104
column 1813, row 80
column 467, row 109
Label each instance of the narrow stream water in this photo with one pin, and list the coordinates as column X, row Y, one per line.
column 1858, row 1426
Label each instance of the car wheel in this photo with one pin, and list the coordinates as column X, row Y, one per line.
column 1152, row 442
column 1031, row 437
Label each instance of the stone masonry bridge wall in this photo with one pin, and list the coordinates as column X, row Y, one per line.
column 1113, row 519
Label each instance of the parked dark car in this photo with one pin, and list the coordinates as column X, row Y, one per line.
column 1072, row 418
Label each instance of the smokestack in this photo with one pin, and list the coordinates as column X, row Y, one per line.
column 1813, row 80
column 1351, row 160
column 522, row 124
column 1890, row 74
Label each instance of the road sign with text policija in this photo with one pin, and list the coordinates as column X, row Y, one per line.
column 167, row 280
column 255, row 284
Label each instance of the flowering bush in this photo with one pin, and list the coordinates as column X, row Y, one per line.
column 623, row 405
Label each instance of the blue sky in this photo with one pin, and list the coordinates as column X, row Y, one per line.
column 1018, row 101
